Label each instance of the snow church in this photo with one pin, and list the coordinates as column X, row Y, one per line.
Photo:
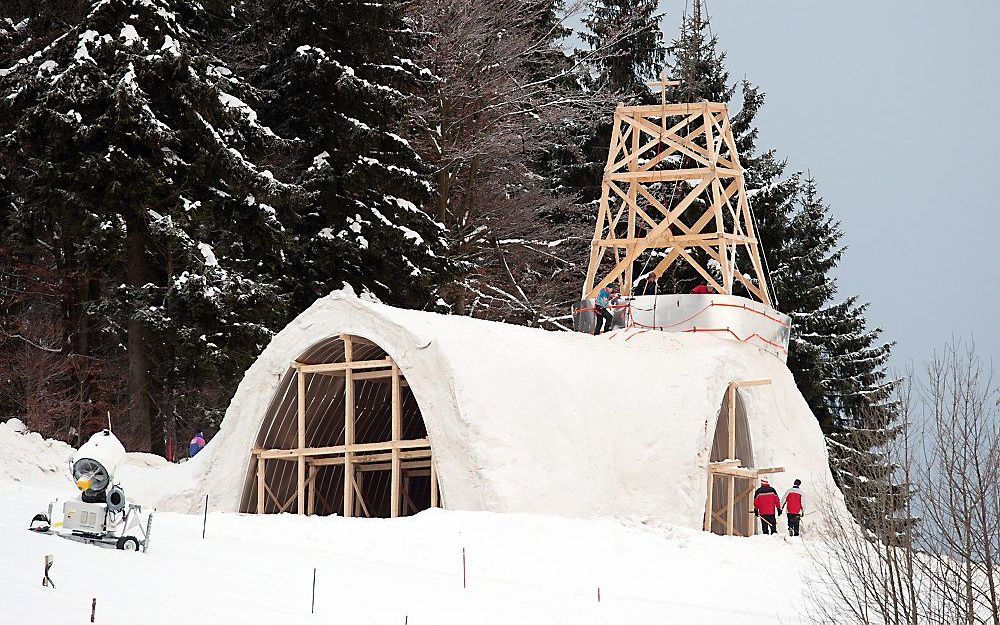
column 361, row 409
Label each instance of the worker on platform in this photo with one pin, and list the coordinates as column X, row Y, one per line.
column 606, row 298
column 197, row 444
column 648, row 285
column 766, row 506
column 792, row 504
column 702, row 289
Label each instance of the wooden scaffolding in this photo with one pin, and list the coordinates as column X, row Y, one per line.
column 730, row 470
column 689, row 147
column 402, row 458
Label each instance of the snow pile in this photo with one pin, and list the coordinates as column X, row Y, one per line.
column 27, row 457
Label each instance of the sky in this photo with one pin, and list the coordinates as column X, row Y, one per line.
column 893, row 107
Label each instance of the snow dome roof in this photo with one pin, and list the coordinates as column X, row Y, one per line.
column 527, row 420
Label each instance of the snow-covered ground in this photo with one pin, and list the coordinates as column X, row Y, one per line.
column 520, row 569
column 254, row 569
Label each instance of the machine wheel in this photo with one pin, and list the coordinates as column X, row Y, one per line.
column 128, row 543
column 39, row 523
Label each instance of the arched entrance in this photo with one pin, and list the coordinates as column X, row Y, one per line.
column 741, row 487
column 342, row 435
column 731, row 476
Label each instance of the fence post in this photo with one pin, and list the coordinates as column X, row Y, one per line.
column 204, row 520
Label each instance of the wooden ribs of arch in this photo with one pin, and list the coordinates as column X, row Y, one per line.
column 633, row 218
column 402, row 458
column 732, row 470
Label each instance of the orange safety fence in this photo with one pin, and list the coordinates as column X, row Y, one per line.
column 683, row 321
column 632, row 322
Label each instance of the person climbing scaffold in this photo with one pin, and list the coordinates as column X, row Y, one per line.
column 606, row 298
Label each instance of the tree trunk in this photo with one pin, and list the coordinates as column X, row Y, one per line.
column 140, row 408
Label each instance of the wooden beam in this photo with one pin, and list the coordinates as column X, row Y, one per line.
column 378, row 375
column 405, row 467
column 357, row 340
column 311, row 488
column 349, row 484
column 751, row 383
column 731, row 401
column 434, row 485
column 397, row 433
column 729, row 505
column 300, row 490
column 413, row 443
column 708, row 502
column 261, row 476
column 723, row 464
column 746, row 472
column 343, row 366
column 356, row 488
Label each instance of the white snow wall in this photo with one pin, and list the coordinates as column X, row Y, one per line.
column 526, row 420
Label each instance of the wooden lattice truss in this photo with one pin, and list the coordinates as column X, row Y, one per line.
column 732, row 469
column 403, row 458
column 654, row 148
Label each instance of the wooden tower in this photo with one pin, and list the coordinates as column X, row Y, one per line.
column 687, row 150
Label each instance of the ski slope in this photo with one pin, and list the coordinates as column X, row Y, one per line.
column 520, row 569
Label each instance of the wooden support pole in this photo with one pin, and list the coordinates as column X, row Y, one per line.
column 311, row 486
column 301, row 485
column 730, row 502
column 434, row 485
column 731, row 401
column 708, row 503
column 397, row 433
column 261, row 476
column 348, row 427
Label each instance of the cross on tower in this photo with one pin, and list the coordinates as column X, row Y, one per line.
column 662, row 84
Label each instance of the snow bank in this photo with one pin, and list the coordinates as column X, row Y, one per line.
column 28, row 458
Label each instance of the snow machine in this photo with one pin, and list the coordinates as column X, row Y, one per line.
column 100, row 515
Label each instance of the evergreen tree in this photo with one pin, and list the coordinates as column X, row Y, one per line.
column 337, row 76
column 130, row 162
column 837, row 361
column 629, row 43
column 625, row 49
column 700, row 67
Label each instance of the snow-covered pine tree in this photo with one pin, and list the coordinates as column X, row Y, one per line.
column 839, row 363
column 625, row 49
column 696, row 61
column 837, row 360
column 336, row 75
column 129, row 152
column 627, row 35
column 804, row 284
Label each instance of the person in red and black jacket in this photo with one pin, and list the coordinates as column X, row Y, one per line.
column 792, row 504
column 767, row 505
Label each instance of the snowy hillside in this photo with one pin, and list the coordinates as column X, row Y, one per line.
column 520, row 569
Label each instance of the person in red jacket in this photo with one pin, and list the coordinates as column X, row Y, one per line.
column 792, row 504
column 766, row 505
